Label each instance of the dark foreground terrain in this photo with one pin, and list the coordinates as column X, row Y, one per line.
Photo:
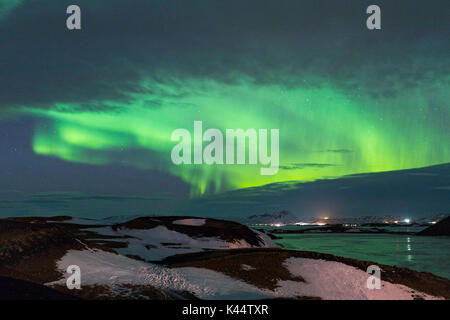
column 31, row 250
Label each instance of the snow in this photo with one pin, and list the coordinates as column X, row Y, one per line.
column 332, row 280
column 324, row 279
column 218, row 286
column 190, row 222
column 112, row 270
column 328, row 280
column 158, row 243
column 246, row 267
column 267, row 241
column 104, row 268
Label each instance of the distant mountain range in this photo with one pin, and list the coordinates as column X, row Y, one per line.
column 282, row 217
column 285, row 217
column 386, row 219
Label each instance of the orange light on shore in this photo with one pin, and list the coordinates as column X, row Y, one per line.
column 326, row 218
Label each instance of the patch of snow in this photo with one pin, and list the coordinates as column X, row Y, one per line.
column 267, row 241
column 190, row 222
column 331, row 280
column 246, row 267
column 108, row 269
column 325, row 279
column 218, row 286
column 158, row 243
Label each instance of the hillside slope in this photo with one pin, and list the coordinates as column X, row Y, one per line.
column 205, row 259
column 442, row 228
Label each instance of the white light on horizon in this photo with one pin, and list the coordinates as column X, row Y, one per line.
column 407, row 220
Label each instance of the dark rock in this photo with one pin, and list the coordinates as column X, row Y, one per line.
column 442, row 228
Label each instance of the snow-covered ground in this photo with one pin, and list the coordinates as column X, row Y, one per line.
column 114, row 271
column 333, row 280
column 324, row 279
column 158, row 243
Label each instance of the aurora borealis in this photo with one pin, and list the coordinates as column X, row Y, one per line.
column 342, row 139
column 345, row 99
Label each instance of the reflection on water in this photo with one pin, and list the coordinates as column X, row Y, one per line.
column 408, row 248
column 430, row 254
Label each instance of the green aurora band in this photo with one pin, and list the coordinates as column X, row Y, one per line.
column 325, row 131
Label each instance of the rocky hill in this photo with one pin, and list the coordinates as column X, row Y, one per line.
column 442, row 228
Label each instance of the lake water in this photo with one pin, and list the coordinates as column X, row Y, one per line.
column 431, row 254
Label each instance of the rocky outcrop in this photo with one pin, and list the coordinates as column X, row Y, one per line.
column 442, row 228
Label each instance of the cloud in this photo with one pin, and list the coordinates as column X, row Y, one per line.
column 109, row 58
column 49, row 197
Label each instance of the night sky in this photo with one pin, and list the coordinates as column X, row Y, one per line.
column 86, row 116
